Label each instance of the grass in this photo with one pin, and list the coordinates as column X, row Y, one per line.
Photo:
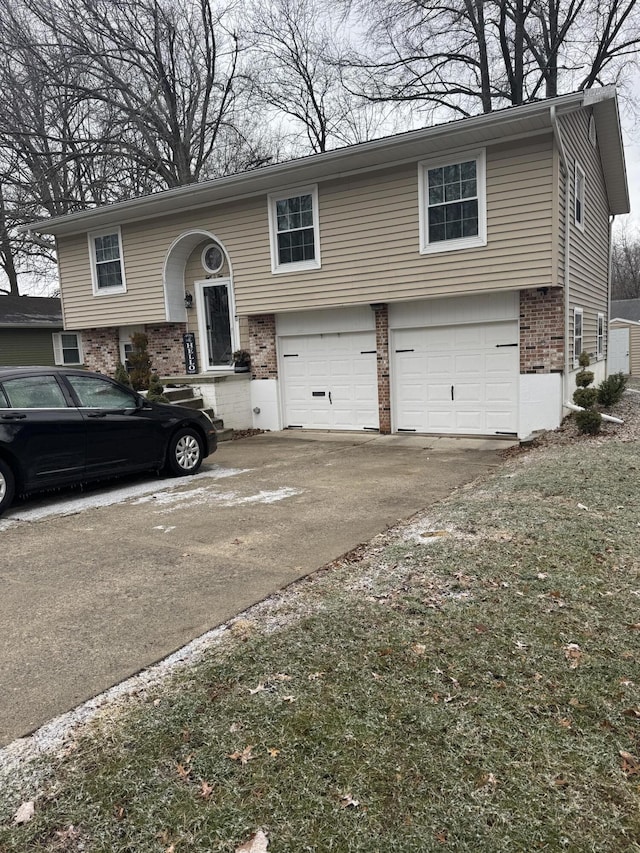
column 475, row 690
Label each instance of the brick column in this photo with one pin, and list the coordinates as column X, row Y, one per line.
column 262, row 346
column 542, row 330
column 381, row 312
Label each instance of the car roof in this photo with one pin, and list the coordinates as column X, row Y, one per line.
column 37, row 370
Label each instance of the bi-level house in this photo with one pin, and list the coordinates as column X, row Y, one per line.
column 443, row 280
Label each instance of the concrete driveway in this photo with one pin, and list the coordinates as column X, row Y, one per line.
column 95, row 586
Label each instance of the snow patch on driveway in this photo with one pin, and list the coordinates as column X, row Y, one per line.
column 109, row 495
column 166, row 502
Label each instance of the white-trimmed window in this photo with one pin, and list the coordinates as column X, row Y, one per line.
column 578, row 195
column 67, row 348
column 294, row 230
column 452, row 203
column 577, row 335
column 107, row 267
column 600, row 337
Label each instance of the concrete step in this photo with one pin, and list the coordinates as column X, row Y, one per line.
column 180, row 393
column 224, row 434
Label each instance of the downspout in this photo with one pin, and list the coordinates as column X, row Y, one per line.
column 612, row 219
column 567, row 243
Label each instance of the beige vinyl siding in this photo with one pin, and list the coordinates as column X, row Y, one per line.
column 26, row 346
column 369, row 232
column 589, row 248
column 634, row 345
column 369, row 240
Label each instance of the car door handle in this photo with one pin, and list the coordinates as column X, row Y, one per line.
column 97, row 415
column 13, row 417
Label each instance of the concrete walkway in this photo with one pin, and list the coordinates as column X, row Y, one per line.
column 95, row 586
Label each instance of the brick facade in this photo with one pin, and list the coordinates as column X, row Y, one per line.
column 262, row 346
column 165, row 348
column 101, row 348
column 542, row 330
column 384, row 387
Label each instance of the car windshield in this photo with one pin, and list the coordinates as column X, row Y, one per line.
column 34, row 392
column 96, row 393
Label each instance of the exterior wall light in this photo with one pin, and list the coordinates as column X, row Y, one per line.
column 188, row 299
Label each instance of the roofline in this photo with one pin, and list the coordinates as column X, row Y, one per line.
column 326, row 165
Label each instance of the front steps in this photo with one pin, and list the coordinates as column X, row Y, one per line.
column 184, row 395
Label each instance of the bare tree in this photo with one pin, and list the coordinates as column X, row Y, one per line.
column 625, row 264
column 298, row 72
column 168, row 72
column 473, row 55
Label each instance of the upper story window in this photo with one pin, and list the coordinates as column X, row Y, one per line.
column 294, row 230
column 67, row 348
column 107, row 268
column 578, row 210
column 452, row 203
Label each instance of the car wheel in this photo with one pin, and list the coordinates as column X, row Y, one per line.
column 7, row 486
column 185, row 453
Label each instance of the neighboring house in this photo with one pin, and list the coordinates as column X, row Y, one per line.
column 624, row 337
column 443, row 280
column 31, row 332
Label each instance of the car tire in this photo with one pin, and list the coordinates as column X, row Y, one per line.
column 7, row 486
column 184, row 455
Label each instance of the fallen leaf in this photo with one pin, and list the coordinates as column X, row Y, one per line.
column 274, row 753
column 635, row 626
column 347, row 802
column 261, row 686
column 573, row 654
column 258, row 843
column 442, row 836
column 25, row 812
column 418, row 648
column 281, row 676
column 234, row 727
column 205, row 790
column 632, row 712
column 244, row 756
column 288, row 698
column 183, row 771
column 561, row 782
column 582, row 506
column 630, row 764
column 315, row 676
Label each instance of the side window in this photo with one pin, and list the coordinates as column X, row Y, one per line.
column 294, row 230
column 600, row 338
column 34, row 392
column 107, row 267
column 95, row 393
column 4, row 403
column 577, row 334
column 452, row 203
column 67, row 348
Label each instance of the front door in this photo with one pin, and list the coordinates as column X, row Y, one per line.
column 215, row 324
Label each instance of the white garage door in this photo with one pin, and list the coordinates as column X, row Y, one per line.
column 456, row 379
column 329, row 381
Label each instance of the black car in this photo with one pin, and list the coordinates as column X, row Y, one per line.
column 60, row 426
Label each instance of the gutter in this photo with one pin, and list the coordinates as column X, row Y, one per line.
column 553, row 118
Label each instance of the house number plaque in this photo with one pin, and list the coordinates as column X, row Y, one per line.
column 190, row 357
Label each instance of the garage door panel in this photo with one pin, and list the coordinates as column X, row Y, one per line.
column 467, row 358
column 469, row 393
